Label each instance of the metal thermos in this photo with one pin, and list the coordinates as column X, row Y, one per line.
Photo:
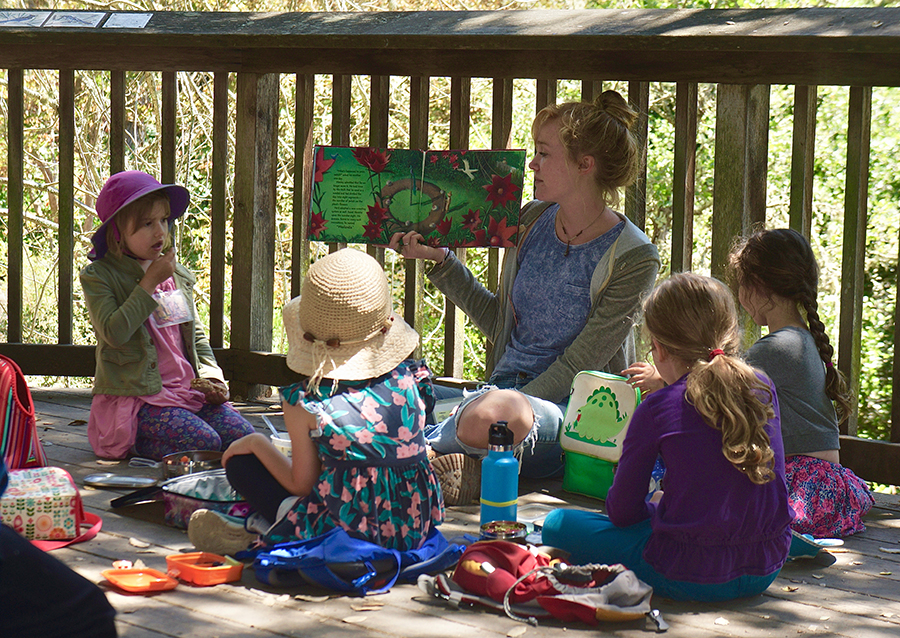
column 499, row 477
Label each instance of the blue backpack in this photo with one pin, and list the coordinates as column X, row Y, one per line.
column 340, row 562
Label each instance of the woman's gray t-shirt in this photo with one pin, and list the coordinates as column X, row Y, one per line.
column 790, row 358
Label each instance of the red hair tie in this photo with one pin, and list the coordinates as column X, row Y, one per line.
column 714, row 353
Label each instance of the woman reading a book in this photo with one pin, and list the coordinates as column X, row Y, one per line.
column 568, row 297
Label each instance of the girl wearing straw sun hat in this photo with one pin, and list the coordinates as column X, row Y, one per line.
column 157, row 386
column 358, row 454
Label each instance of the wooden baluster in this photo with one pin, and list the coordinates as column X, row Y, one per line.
column 15, row 149
column 66, row 205
column 853, row 265
column 414, row 280
column 454, row 321
column 116, row 122
column 254, row 219
column 803, row 155
column 379, row 110
column 683, row 183
column 219, row 211
column 636, row 194
column 303, row 176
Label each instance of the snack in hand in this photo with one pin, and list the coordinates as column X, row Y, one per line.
column 204, row 385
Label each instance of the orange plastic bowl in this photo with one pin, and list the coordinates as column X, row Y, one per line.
column 203, row 568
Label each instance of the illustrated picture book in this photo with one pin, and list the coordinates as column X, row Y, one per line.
column 452, row 198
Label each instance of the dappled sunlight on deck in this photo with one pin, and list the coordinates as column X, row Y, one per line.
column 849, row 591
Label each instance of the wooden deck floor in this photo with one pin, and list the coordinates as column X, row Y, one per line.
column 850, row 591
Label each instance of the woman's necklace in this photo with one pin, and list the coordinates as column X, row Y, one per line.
column 569, row 240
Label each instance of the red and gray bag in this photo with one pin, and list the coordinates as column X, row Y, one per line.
column 528, row 583
column 19, row 442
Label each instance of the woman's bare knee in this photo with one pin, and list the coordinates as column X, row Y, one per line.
column 473, row 424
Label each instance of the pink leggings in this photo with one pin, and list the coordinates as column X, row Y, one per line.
column 166, row 430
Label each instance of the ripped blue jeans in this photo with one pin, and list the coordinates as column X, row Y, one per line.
column 540, row 452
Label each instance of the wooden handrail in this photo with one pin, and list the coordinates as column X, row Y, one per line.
column 824, row 46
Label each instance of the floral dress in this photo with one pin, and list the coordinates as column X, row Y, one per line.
column 376, row 477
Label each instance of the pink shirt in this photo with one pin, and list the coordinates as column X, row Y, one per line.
column 112, row 425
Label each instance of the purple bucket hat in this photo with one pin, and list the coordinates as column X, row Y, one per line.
column 122, row 189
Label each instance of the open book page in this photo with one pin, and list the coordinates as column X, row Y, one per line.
column 452, row 198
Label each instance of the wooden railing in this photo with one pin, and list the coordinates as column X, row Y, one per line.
column 742, row 52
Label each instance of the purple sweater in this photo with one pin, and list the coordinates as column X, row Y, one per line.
column 713, row 524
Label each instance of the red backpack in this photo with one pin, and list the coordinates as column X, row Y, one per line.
column 19, row 442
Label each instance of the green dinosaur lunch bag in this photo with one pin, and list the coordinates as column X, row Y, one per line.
column 597, row 417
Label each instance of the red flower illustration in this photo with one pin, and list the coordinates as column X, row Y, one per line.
column 434, row 242
column 377, row 214
column 317, row 224
column 322, row 164
column 373, row 231
column 500, row 234
column 444, row 227
column 501, row 190
column 472, row 219
column 479, row 238
column 372, row 158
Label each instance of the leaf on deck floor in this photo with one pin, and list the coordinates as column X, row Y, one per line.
column 367, row 606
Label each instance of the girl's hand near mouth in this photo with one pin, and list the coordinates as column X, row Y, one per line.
column 160, row 270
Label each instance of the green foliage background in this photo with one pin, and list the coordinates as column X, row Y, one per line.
column 194, row 170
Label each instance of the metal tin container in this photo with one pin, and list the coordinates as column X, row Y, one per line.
column 504, row 530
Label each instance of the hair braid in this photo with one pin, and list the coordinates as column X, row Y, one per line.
column 835, row 384
column 782, row 262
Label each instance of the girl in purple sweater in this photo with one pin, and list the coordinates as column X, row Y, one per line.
column 720, row 530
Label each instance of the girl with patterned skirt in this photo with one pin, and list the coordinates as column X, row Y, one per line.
column 778, row 277
column 358, row 454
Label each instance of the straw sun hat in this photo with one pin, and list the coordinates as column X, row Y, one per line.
column 342, row 326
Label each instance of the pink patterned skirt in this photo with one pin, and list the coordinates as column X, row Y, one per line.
column 829, row 500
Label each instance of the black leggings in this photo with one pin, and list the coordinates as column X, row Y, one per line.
column 250, row 478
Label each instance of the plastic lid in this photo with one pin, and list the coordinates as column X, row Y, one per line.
column 139, row 580
column 500, row 435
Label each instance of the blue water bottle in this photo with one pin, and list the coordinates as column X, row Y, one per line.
column 499, row 477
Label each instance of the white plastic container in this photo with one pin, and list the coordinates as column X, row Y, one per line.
column 283, row 443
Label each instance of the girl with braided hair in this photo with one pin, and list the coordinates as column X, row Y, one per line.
column 720, row 528
column 778, row 278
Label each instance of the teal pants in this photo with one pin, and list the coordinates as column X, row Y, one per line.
column 590, row 537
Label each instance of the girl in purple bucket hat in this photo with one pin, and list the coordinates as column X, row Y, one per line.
column 157, row 386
